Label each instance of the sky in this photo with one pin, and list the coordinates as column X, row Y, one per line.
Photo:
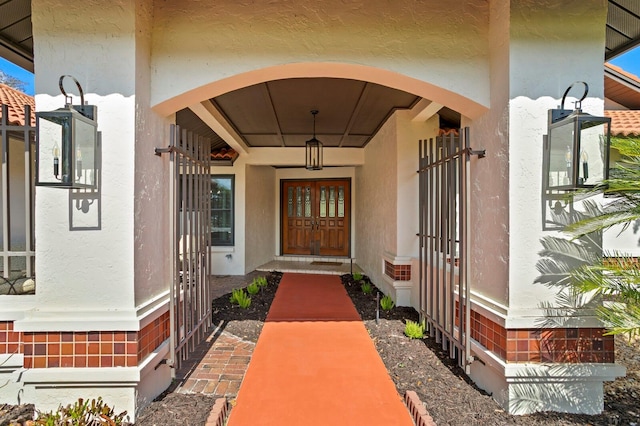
column 19, row 73
column 630, row 62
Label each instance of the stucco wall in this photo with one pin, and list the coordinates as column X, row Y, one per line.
column 489, row 218
column 572, row 45
column 377, row 180
column 151, row 220
column 261, row 211
column 226, row 43
column 408, row 134
column 88, row 270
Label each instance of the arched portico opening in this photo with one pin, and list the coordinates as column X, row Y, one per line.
column 379, row 173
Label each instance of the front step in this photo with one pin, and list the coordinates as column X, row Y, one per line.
column 311, row 265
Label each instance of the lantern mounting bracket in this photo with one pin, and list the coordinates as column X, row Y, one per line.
column 88, row 111
column 559, row 114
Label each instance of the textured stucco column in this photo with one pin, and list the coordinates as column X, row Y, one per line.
column 537, row 50
column 100, row 325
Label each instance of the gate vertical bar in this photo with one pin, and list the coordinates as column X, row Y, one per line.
column 28, row 192
column 173, row 244
column 464, row 278
column 432, row 242
column 190, row 241
column 200, row 188
column 420, row 227
column 6, row 199
column 451, row 203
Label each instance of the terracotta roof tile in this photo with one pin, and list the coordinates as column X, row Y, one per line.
column 623, row 72
column 624, row 122
column 224, row 154
column 16, row 101
column 447, row 132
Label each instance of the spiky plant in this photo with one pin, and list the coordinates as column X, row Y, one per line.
column 261, row 281
column 253, row 288
column 366, row 287
column 414, row 330
column 387, row 303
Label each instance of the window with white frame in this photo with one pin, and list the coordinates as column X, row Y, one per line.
column 222, row 210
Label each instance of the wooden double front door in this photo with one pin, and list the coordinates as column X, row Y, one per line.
column 316, row 217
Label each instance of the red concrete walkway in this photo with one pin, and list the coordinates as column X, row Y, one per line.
column 314, row 364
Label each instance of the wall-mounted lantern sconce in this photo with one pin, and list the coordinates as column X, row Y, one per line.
column 67, row 144
column 577, row 147
column 313, row 149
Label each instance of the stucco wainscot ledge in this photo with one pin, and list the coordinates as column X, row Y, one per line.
column 120, row 355
column 524, row 369
column 396, row 272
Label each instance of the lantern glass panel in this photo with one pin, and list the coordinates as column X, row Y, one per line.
column 84, row 155
column 313, row 154
column 593, row 150
column 561, row 140
column 53, row 139
column 66, row 149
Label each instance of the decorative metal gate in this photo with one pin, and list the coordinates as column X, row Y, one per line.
column 444, row 171
column 190, row 215
column 17, row 176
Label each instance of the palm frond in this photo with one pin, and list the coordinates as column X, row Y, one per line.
column 621, row 319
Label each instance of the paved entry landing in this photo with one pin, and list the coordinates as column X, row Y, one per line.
column 314, row 363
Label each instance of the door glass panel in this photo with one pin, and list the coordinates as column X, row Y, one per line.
column 341, row 201
column 299, row 201
column 290, row 201
column 307, row 201
column 332, row 201
column 323, row 201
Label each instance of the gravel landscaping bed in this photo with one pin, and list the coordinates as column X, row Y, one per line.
column 419, row 365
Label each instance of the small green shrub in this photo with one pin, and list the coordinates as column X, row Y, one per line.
column 261, row 281
column 357, row 276
column 244, row 301
column 366, row 287
column 386, row 303
column 414, row 330
column 253, row 288
column 82, row 413
column 235, row 295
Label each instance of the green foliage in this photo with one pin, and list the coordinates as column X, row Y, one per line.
column 366, row 287
column 414, row 330
column 357, row 276
column 386, row 303
column 253, row 288
column 243, row 299
column 236, row 295
column 261, row 281
column 82, row 413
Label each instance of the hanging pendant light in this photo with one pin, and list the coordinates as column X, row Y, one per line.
column 313, row 148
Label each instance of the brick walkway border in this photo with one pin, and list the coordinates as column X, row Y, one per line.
column 217, row 366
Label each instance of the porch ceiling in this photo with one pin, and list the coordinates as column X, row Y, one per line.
column 278, row 113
